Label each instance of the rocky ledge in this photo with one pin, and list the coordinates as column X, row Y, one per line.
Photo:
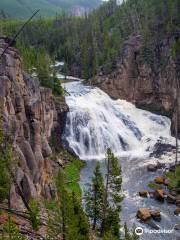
column 30, row 115
column 151, row 86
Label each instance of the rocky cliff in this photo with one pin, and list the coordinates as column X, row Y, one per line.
column 30, row 115
column 150, row 86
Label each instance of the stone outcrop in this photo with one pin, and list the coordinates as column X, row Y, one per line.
column 30, row 116
column 144, row 214
column 151, row 86
column 159, row 180
column 177, row 211
column 156, row 215
column 159, row 195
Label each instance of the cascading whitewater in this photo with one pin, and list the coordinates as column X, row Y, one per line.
column 96, row 122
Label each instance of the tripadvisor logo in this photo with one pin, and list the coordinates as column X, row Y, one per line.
column 139, row 231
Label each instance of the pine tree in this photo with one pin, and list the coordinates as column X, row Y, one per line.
column 115, row 181
column 129, row 235
column 94, row 197
column 68, row 220
column 112, row 196
column 78, row 227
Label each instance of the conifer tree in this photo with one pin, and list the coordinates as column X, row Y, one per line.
column 94, row 197
column 78, row 225
column 112, row 196
column 129, row 235
column 68, row 221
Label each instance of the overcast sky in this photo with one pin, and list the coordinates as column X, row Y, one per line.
column 108, row 0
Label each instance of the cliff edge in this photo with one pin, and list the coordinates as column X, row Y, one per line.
column 150, row 84
column 30, row 115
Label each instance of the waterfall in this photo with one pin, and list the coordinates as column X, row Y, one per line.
column 96, row 122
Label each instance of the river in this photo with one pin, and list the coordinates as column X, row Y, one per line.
column 96, row 122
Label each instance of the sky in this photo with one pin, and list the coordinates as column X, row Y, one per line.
column 120, row 1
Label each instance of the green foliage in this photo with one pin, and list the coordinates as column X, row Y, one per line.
column 103, row 199
column 110, row 221
column 34, row 214
column 176, row 49
column 130, row 235
column 94, row 197
column 174, row 180
column 66, row 218
column 115, row 180
column 94, row 42
column 24, row 8
column 11, row 232
column 154, row 186
column 109, row 236
column 78, row 226
column 72, row 176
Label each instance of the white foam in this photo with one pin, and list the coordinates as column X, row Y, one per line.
column 96, row 122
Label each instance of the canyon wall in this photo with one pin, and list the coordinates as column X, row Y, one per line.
column 31, row 113
column 150, row 86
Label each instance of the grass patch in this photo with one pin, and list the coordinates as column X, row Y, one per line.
column 174, row 180
column 72, row 176
column 50, row 205
column 154, row 186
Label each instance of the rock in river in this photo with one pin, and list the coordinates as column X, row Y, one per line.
column 159, row 180
column 156, row 215
column 159, row 195
column 152, row 168
column 143, row 194
column 144, row 214
column 177, row 211
column 171, row 199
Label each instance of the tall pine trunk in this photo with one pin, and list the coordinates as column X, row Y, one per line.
column 105, row 198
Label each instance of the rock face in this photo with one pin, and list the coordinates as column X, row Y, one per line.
column 149, row 86
column 30, row 116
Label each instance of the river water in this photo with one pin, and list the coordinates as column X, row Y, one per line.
column 96, row 122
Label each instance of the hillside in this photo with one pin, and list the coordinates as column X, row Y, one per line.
column 24, row 8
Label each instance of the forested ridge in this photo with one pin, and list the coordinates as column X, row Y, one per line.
column 21, row 9
column 94, row 41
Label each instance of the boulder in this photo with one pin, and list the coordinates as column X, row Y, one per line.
column 159, row 180
column 60, row 162
column 160, row 165
column 171, row 199
column 178, row 202
column 166, row 182
column 173, row 193
column 143, row 194
column 177, row 227
column 159, row 195
column 177, row 211
column 152, row 168
column 156, row 215
column 151, row 194
column 144, row 214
